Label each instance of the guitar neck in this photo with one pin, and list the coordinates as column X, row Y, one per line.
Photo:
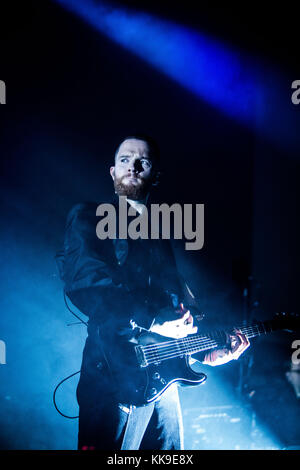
column 261, row 328
column 193, row 344
column 213, row 339
column 196, row 343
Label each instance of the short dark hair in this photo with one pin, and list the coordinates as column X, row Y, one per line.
column 154, row 151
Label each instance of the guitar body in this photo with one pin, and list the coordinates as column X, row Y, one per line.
column 159, row 377
column 140, row 384
column 145, row 364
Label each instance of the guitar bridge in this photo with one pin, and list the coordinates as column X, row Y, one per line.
column 141, row 356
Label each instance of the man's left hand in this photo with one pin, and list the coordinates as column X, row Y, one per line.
column 238, row 344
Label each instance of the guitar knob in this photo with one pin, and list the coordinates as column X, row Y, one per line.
column 163, row 381
column 156, row 376
column 153, row 391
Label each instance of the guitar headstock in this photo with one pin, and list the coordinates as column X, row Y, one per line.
column 289, row 321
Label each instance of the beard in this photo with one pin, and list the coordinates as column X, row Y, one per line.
column 137, row 191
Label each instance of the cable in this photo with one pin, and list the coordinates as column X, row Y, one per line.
column 54, row 393
column 72, row 375
column 73, row 313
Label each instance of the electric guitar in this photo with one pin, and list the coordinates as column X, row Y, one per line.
column 154, row 362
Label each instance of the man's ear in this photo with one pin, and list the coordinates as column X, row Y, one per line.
column 112, row 172
column 156, row 178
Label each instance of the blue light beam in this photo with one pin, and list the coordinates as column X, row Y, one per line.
column 252, row 92
column 200, row 64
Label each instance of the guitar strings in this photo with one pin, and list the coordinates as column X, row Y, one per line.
column 185, row 342
column 187, row 348
column 164, row 357
column 170, row 349
column 155, row 357
column 200, row 340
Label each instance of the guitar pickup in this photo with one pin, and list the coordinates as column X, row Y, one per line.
column 141, row 356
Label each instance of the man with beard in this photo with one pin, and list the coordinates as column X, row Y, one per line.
column 118, row 284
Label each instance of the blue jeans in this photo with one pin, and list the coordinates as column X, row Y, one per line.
column 109, row 425
column 155, row 426
column 106, row 424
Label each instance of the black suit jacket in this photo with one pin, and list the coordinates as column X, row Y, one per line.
column 114, row 282
column 117, row 280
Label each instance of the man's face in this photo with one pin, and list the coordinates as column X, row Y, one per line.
column 133, row 171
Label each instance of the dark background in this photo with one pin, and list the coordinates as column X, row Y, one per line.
column 71, row 94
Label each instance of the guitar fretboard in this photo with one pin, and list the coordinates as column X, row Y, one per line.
column 193, row 344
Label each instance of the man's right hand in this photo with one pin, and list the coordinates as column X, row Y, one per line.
column 178, row 328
